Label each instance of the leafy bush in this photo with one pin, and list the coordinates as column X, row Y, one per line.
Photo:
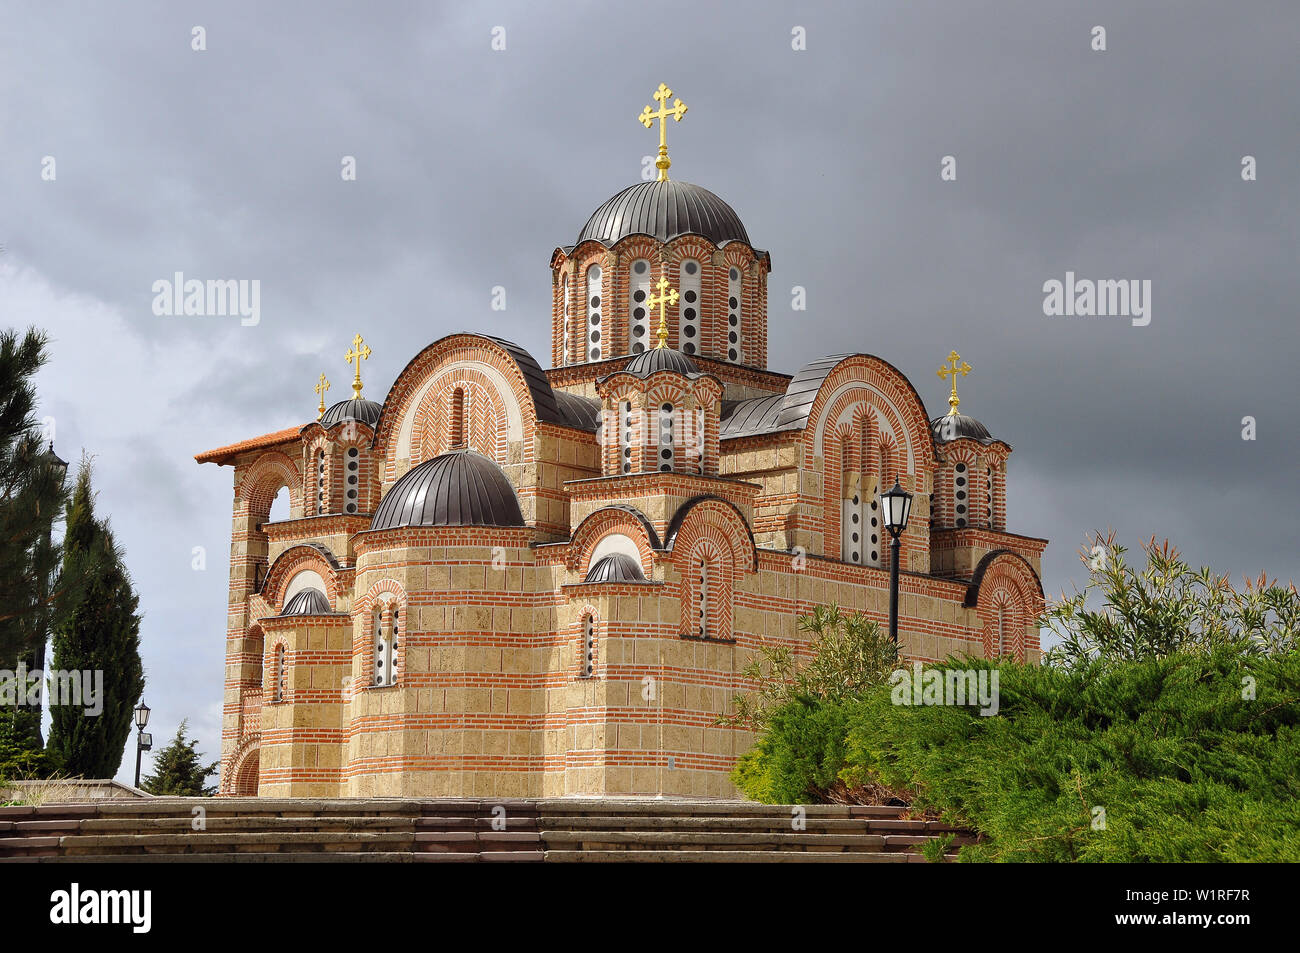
column 849, row 653
column 1189, row 757
column 1166, row 608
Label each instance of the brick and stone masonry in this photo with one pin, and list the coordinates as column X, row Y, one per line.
column 454, row 653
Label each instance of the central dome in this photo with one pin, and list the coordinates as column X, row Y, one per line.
column 664, row 210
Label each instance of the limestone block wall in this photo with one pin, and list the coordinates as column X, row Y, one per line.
column 465, row 715
column 302, row 725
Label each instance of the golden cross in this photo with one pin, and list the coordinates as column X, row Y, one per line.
column 647, row 119
column 357, row 353
column 321, row 387
column 958, row 366
column 665, row 297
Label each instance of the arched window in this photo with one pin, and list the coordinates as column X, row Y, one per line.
column 1002, row 647
column 322, row 504
column 960, row 496
column 587, row 664
column 860, row 519
column 353, row 471
column 383, row 649
column 688, row 309
column 593, row 313
column 281, row 674
column 691, row 439
column 638, row 322
column 457, row 428
column 703, row 598
column 567, row 356
column 625, row 435
column 988, row 496
column 733, row 314
column 392, row 646
column 666, row 437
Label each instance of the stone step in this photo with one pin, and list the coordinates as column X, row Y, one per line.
column 635, row 840
column 221, row 822
column 721, row 857
column 695, row 822
column 200, row 841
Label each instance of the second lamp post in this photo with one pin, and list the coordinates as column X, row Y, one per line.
column 896, row 505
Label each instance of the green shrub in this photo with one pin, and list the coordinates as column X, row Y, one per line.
column 1183, row 766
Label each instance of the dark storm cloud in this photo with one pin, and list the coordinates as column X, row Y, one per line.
column 473, row 165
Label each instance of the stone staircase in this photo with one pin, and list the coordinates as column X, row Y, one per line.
column 197, row 830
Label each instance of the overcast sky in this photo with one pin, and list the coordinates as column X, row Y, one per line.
column 473, row 164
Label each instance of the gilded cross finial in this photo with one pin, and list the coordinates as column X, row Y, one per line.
column 954, row 367
column 647, row 118
column 356, row 354
column 667, row 296
column 321, row 387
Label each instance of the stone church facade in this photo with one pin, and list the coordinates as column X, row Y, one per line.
column 504, row 580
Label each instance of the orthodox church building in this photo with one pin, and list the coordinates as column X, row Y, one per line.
column 505, row 580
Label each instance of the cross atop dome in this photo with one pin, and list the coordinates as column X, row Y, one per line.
column 954, row 367
column 647, row 119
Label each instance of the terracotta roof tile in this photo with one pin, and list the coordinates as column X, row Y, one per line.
column 223, row 455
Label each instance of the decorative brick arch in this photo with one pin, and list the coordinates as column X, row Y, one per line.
column 711, row 530
column 265, row 478
column 395, row 431
column 295, row 559
column 1004, row 583
column 388, row 596
column 240, row 778
column 486, row 426
column 886, row 392
column 605, row 521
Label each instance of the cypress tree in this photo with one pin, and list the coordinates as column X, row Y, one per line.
column 32, row 496
column 178, row 770
column 100, row 634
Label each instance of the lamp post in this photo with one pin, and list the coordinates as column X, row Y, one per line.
column 896, row 505
column 143, row 741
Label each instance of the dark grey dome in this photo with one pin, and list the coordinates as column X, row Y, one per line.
column 308, row 601
column 360, row 409
column 661, row 359
column 616, row 567
column 956, row 426
column 664, row 210
column 461, row 488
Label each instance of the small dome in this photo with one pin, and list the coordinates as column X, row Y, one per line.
column 661, row 359
column 461, row 488
column 664, row 210
column 616, row 567
column 360, row 409
column 309, row 601
column 957, row 426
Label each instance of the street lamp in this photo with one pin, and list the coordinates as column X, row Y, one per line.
column 143, row 740
column 60, row 465
column 896, row 505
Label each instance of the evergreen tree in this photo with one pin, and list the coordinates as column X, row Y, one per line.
column 100, row 634
column 178, row 771
column 31, row 497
